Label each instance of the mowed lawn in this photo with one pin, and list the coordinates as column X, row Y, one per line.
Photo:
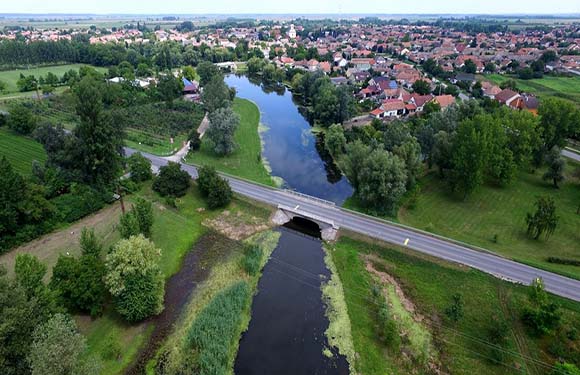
column 10, row 77
column 430, row 284
column 501, row 212
column 20, row 151
column 562, row 87
column 245, row 161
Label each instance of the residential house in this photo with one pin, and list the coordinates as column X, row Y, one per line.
column 507, row 96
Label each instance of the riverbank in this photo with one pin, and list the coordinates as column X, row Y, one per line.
column 246, row 161
column 422, row 288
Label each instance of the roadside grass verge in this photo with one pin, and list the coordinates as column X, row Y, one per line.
column 20, row 151
column 494, row 218
column 246, row 161
column 463, row 346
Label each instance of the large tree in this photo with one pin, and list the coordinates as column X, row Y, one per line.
column 58, row 348
column 169, row 88
column 335, row 141
column 215, row 188
column 21, row 119
column 216, row 94
column 468, row 159
column 207, row 71
column 421, row 87
column 172, row 180
column 135, row 279
column 100, row 141
column 559, row 119
column 220, row 133
column 556, row 165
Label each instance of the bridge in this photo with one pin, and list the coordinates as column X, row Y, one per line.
column 328, row 230
column 437, row 246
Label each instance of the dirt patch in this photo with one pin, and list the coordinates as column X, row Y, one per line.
column 66, row 241
column 237, row 225
column 196, row 267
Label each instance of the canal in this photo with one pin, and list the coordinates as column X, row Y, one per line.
column 293, row 152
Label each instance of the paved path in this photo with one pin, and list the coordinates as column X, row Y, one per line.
column 423, row 242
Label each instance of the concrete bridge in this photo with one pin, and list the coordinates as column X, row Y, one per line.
column 328, row 230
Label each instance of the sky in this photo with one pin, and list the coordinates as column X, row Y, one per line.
column 292, row 6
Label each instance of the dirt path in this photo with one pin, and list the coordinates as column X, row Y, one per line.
column 196, row 267
column 66, row 241
column 203, row 126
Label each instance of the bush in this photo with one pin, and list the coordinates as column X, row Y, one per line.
column 139, row 167
column 21, row 119
column 215, row 331
column 566, row 261
column 252, row 260
column 80, row 202
column 455, row 310
column 112, row 349
column 216, row 189
column 194, row 140
column 172, row 180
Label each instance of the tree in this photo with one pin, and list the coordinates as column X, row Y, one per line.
column 18, row 321
column 29, row 272
column 431, row 107
column 490, row 67
column 207, row 71
column 172, row 180
column 220, row 133
column 194, row 140
column 509, row 84
column 421, row 87
column 21, row 119
column 556, row 166
column 2, row 86
column 139, row 167
column 559, row 119
column 143, row 211
column 346, row 105
column 378, row 176
column 469, row 66
column 565, row 369
column 128, row 225
column 134, row 279
column 169, row 88
column 58, row 348
column 455, row 310
column 544, row 220
column 468, row 158
column 189, row 73
column 335, row 141
column 216, row 94
column 216, row 189
column 442, row 151
column 100, row 142
column 410, row 153
column 540, row 314
column 326, row 104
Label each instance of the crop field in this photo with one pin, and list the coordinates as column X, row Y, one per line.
column 561, row 87
column 20, row 151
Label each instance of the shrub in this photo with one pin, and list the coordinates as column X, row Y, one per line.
column 172, row 180
column 112, row 348
column 194, row 140
column 216, row 189
column 80, row 202
column 21, row 119
column 566, row 261
column 252, row 260
column 128, row 225
column 216, row 329
column 455, row 310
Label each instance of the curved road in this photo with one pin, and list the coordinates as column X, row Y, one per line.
column 423, row 242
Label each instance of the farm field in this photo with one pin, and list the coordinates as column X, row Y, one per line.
column 10, row 77
column 245, row 161
column 20, row 151
column 494, row 218
column 427, row 286
column 561, row 87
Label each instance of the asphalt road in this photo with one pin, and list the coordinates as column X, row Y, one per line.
column 435, row 246
column 571, row 155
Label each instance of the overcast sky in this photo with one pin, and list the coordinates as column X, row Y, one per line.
column 291, row 6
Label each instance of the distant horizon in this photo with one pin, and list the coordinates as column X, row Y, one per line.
column 547, row 15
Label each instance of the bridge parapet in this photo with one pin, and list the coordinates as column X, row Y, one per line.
column 328, row 229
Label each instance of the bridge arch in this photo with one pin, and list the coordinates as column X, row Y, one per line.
column 285, row 214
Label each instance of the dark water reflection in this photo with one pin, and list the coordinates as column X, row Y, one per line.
column 289, row 145
column 286, row 333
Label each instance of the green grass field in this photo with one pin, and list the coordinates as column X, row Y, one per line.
column 463, row 347
column 153, row 143
column 20, row 151
column 10, row 77
column 245, row 161
column 562, row 87
column 501, row 211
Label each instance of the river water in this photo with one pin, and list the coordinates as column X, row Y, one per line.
column 294, row 153
column 286, row 333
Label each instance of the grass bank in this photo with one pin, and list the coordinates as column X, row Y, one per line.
column 494, row 218
column 463, row 347
column 246, row 161
column 20, row 151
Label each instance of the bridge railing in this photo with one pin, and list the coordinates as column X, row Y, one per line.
column 309, row 198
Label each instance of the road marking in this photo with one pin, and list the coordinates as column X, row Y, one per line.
column 295, row 208
column 406, row 241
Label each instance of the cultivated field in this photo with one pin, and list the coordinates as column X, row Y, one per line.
column 562, row 87
column 20, row 151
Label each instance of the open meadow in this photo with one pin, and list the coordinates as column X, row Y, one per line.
column 561, row 87
column 20, row 151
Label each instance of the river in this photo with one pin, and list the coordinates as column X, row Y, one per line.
column 286, row 333
column 293, row 152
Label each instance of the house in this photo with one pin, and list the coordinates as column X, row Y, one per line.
column 507, row 96
column 189, row 87
column 338, row 81
column 420, row 100
column 464, row 77
column 444, row 101
column 360, row 77
column 490, row 90
column 362, row 63
column 393, row 108
column 526, row 102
